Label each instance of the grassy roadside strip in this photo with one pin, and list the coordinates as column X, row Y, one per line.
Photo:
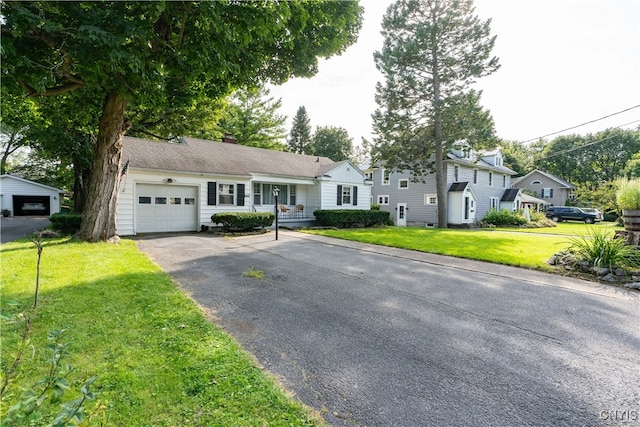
column 159, row 362
column 531, row 250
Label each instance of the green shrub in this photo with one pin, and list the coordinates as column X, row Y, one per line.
column 243, row 220
column 66, row 223
column 504, row 217
column 346, row 218
column 628, row 193
column 375, row 207
column 601, row 249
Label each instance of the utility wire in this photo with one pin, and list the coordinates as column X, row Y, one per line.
column 569, row 150
column 585, row 123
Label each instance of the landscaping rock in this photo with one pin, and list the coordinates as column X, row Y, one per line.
column 609, row 278
column 601, row 271
column 634, row 285
column 619, row 272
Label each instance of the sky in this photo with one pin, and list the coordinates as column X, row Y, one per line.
column 563, row 63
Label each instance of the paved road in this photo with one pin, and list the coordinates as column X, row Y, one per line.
column 19, row 227
column 375, row 336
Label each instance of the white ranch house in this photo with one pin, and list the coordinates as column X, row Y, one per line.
column 177, row 186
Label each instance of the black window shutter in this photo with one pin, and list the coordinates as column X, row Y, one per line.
column 211, row 193
column 355, row 195
column 551, row 193
column 240, row 199
column 339, row 200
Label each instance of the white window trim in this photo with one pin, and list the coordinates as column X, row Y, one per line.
column 400, row 181
column 350, row 191
column 494, row 203
column 388, row 180
column 233, row 195
column 428, row 197
column 383, row 200
column 536, row 182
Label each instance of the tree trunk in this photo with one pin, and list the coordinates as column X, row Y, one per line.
column 441, row 177
column 99, row 214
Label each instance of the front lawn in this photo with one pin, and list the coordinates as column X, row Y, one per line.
column 530, row 249
column 568, row 228
column 158, row 361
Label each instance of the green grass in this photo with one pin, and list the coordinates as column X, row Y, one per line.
column 530, row 248
column 567, row 228
column 159, row 362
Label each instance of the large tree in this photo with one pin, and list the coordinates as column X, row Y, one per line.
column 332, row 142
column 300, row 136
column 433, row 51
column 160, row 54
column 253, row 118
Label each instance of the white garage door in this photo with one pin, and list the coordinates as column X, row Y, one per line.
column 166, row 208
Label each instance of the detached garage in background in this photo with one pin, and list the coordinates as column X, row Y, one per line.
column 23, row 197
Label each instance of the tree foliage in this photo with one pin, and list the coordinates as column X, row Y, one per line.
column 300, row 136
column 160, row 55
column 252, row 117
column 332, row 142
column 433, row 51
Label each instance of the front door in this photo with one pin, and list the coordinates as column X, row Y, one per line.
column 401, row 217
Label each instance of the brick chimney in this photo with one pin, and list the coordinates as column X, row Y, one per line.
column 229, row 139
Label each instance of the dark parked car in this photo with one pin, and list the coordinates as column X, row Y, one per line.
column 570, row 213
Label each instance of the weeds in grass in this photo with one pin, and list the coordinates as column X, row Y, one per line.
column 602, row 250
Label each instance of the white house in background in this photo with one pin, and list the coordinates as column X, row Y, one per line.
column 177, row 186
column 477, row 181
column 23, row 197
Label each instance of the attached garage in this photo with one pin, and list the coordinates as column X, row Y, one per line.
column 23, row 197
column 162, row 208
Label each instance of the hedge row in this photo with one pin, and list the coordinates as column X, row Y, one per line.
column 66, row 222
column 504, row 217
column 345, row 218
column 243, row 220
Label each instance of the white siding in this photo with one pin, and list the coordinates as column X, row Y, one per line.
column 10, row 186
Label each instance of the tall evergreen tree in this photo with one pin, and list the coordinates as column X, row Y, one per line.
column 252, row 118
column 300, row 136
column 433, row 51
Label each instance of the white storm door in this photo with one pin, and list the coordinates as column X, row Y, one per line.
column 401, row 215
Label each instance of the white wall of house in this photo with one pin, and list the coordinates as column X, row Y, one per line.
column 346, row 176
column 13, row 186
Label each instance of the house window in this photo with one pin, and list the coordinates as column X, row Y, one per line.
column 456, row 173
column 161, row 200
column 430, row 199
column 175, row 200
column 144, row 200
column 495, row 203
column 189, row 201
column 346, row 195
column 369, row 175
column 256, row 193
column 504, row 181
column 547, row 193
column 267, row 194
column 386, row 176
column 292, row 195
column 226, row 194
column 490, row 179
column 383, row 200
column 475, row 176
column 403, row 183
column 536, row 182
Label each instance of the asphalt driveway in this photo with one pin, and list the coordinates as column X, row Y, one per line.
column 19, row 227
column 374, row 336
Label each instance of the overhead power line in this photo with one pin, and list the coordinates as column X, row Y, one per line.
column 569, row 150
column 580, row 125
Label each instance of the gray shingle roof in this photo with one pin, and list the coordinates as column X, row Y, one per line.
column 458, row 186
column 198, row 155
column 510, row 195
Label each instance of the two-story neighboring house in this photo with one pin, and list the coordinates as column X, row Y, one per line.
column 553, row 190
column 476, row 183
